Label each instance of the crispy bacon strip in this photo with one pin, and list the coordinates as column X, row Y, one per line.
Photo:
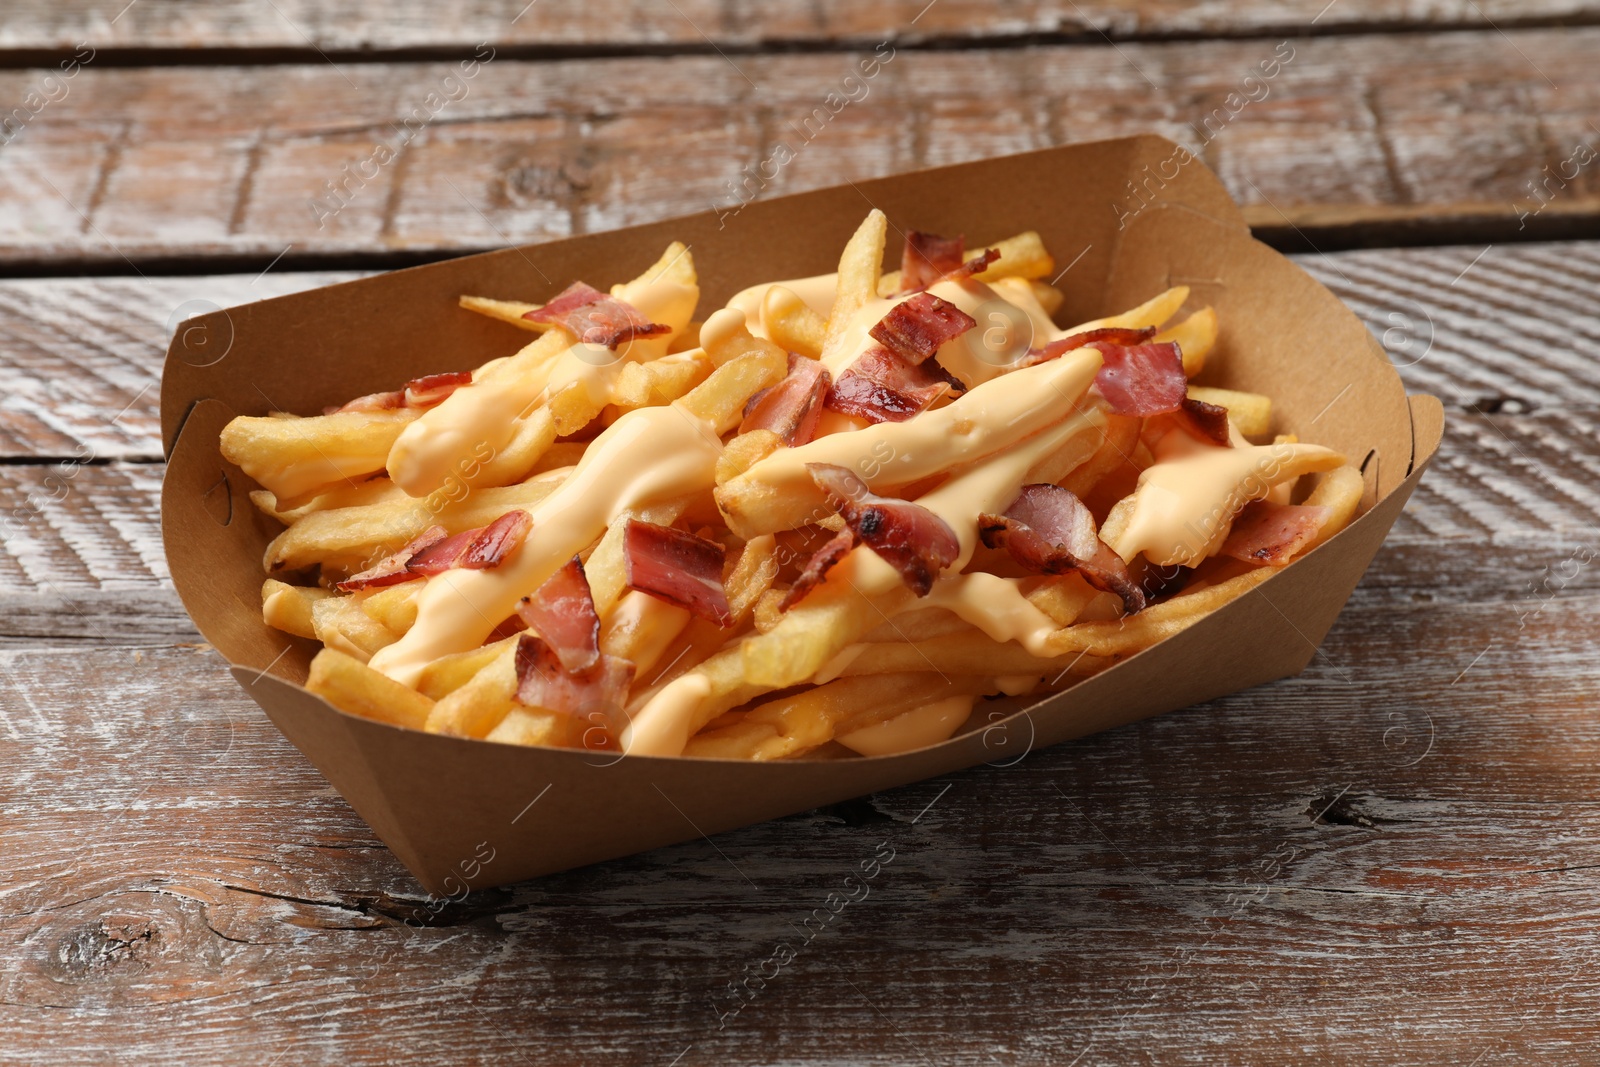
column 915, row 328
column 1208, row 421
column 496, row 541
column 392, row 569
column 1048, row 530
column 976, row 265
column 792, row 408
column 909, row 537
column 596, row 318
column 595, row 695
column 432, row 389
column 816, row 569
column 443, row 554
column 1113, row 335
column 562, row 613
column 1143, row 380
column 927, row 257
column 882, row 387
column 1270, row 534
column 678, row 567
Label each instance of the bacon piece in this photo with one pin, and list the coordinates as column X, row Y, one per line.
column 371, row 402
column 1272, row 534
column 595, row 695
column 432, row 389
column 792, row 408
column 1209, row 421
column 1048, row 530
column 596, row 318
column 496, row 541
column 976, row 265
column 442, row 554
column 1113, row 335
column 816, row 569
column 915, row 328
column 678, row 567
column 927, row 257
column 562, row 613
column 392, row 569
column 1143, row 380
column 882, row 387
column 909, row 537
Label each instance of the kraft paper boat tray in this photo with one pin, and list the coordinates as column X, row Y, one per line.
column 1127, row 218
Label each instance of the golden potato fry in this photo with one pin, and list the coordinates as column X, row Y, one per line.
column 395, row 606
column 448, row 673
column 721, row 398
column 1063, row 597
column 970, row 652
column 659, row 381
column 507, row 311
column 1136, row 633
column 478, row 706
column 791, row 324
column 860, row 265
column 1340, row 491
column 1153, row 312
column 1196, row 337
column 340, row 623
column 352, row 686
column 297, row 458
column 1022, row 256
column 1117, row 443
column 536, row 726
column 375, row 490
column 744, row 452
column 1251, row 412
column 288, row 607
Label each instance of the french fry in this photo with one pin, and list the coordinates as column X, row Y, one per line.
column 536, row 726
column 348, row 539
column 448, row 673
column 507, row 311
column 1136, row 633
column 297, row 458
column 394, row 607
column 1340, row 491
column 859, row 269
column 791, row 324
column 640, row 629
column 339, row 623
column 288, row 607
column 1049, row 297
column 1120, row 438
column 748, row 578
column 1153, row 312
column 1063, row 597
column 1251, row 412
column 375, row 490
column 1196, row 337
column 962, row 653
column 478, row 706
column 918, row 624
column 660, row 381
column 744, row 452
column 721, row 398
column 352, row 686
column 1022, row 256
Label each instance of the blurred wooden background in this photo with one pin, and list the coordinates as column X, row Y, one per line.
column 1389, row 859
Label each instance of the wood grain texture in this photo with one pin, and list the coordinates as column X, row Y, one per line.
column 1372, row 134
column 1389, row 858
column 350, row 26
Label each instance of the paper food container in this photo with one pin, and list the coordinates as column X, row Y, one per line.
column 1128, row 218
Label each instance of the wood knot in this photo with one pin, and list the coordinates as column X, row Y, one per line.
column 96, row 947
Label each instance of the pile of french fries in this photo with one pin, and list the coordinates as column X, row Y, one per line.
column 851, row 666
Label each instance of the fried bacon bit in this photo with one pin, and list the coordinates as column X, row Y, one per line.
column 678, row 567
column 596, row 318
column 496, row 541
column 595, row 695
column 1272, row 534
column 562, row 613
column 1048, row 530
column 443, row 554
column 909, row 537
column 792, row 408
column 976, row 265
column 1143, row 380
column 1111, row 335
column 927, row 257
column 882, row 387
column 392, row 569
column 371, row 402
column 816, row 569
column 433, row 389
column 915, row 328
column 1207, row 421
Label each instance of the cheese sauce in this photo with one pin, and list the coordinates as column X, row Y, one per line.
column 927, row 725
column 1183, row 508
column 647, row 455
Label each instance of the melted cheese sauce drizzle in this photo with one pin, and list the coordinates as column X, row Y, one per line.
column 1183, row 508
column 927, row 725
column 486, row 413
column 647, row 455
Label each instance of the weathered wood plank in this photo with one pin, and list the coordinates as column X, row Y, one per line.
column 1507, row 332
column 1275, row 871
column 1353, row 133
column 349, row 26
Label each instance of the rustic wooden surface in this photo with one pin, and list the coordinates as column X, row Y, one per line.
column 1388, row 859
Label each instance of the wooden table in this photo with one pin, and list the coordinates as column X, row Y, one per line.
column 1389, row 859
